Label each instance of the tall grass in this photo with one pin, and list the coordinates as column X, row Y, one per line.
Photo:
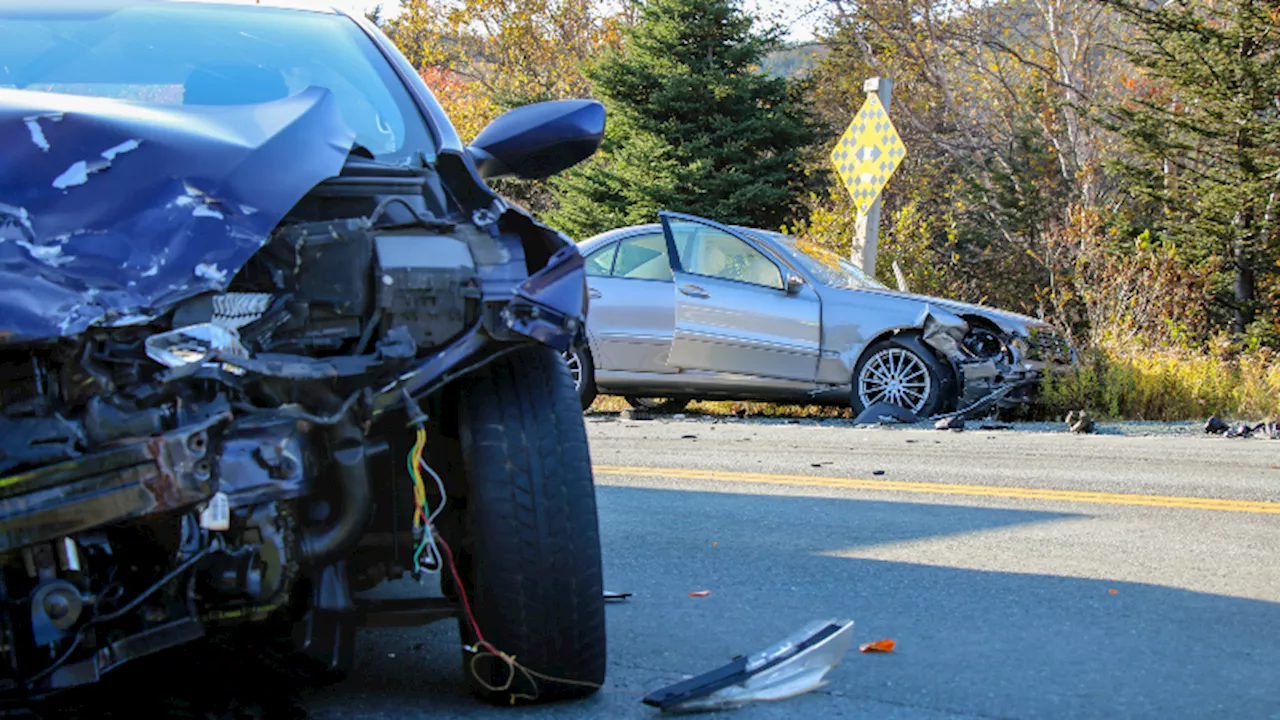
column 1112, row 381
column 1133, row 383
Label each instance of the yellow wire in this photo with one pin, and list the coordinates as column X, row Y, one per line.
column 513, row 666
column 419, row 488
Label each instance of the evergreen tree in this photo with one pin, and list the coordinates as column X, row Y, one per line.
column 1203, row 138
column 694, row 125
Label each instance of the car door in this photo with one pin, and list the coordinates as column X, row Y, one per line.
column 632, row 304
column 737, row 309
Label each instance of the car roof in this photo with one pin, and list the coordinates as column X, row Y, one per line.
column 608, row 236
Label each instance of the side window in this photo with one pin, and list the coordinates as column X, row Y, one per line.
column 600, row 262
column 720, row 255
column 643, row 258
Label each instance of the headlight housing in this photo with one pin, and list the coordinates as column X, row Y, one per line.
column 193, row 345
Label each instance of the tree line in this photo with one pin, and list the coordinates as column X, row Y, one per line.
column 1110, row 165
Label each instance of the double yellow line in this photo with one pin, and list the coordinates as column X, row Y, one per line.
column 990, row 491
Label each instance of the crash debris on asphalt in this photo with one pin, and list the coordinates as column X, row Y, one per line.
column 1217, row 426
column 796, row 665
column 1080, row 422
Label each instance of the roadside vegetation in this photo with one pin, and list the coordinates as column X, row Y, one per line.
column 1112, row 166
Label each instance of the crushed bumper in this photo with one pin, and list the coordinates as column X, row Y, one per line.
column 143, row 477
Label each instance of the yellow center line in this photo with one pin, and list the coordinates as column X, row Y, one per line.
column 1162, row 501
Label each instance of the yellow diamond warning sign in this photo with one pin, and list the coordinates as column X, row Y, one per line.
column 868, row 153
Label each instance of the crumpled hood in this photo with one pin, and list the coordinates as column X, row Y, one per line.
column 112, row 212
column 1007, row 320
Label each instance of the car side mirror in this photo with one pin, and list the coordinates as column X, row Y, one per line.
column 537, row 141
column 794, row 284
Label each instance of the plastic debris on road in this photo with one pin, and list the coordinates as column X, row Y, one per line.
column 884, row 646
column 796, row 665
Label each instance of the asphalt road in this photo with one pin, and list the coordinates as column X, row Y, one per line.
column 1037, row 575
column 1022, row 575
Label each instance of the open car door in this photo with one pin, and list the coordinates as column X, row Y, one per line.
column 738, row 310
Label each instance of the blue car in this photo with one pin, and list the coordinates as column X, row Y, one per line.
column 268, row 340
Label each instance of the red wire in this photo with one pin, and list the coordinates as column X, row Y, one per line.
column 462, row 592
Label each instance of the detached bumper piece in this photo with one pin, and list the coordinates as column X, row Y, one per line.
column 146, row 476
column 792, row 667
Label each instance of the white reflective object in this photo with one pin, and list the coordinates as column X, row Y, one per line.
column 193, row 344
column 793, row 672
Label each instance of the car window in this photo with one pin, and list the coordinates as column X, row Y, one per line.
column 718, row 254
column 827, row 267
column 600, row 262
column 643, row 258
column 195, row 54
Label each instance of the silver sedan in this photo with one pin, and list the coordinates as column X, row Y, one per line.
column 689, row 309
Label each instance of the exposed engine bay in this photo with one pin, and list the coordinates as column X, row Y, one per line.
column 993, row 367
column 219, row 448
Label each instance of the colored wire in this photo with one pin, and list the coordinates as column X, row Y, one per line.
column 513, row 666
column 432, row 541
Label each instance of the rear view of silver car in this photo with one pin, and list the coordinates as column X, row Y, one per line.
column 690, row 309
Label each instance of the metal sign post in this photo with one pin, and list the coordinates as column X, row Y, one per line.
column 865, row 157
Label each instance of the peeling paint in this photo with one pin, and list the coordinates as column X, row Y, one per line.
column 50, row 255
column 124, row 147
column 37, row 132
column 211, row 272
column 77, row 174
column 21, row 216
column 206, row 211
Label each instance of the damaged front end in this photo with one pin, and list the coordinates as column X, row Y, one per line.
column 995, row 367
column 205, row 310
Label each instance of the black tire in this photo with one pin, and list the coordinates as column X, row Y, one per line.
column 586, row 381
column 658, row 405
column 941, row 382
column 534, row 572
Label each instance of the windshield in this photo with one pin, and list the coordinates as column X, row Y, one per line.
column 825, row 266
column 201, row 54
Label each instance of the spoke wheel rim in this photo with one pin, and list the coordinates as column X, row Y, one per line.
column 575, row 366
column 896, row 376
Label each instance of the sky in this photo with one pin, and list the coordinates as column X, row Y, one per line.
column 790, row 12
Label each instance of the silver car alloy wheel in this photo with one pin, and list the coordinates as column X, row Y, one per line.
column 575, row 366
column 895, row 376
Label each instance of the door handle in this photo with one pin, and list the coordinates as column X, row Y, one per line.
column 593, row 293
column 694, row 291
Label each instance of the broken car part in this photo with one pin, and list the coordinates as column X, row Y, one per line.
column 796, row 665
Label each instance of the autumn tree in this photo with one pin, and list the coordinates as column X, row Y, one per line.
column 1202, row 130
column 992, row 100
column 510, row 52
column 694, row 124
column 483, row 57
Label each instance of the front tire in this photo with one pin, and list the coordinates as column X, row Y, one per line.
column 582, row 370
column 535, row 575
column 903, row 371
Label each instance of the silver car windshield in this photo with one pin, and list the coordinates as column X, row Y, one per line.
column 825, row 266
